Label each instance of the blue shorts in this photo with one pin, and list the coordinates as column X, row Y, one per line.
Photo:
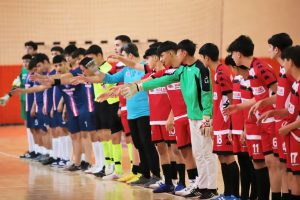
column 41, row 121
column 58, row 121
column 84, row 122
column 31, row 122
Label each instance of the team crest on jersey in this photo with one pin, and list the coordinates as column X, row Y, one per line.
column 258, row 90
column 291, row 108
column 295, row 87
column 252, row 73
column 161, row 90
column 282, row 71
column 236, row 95
column 280, row 91
column 174, row 86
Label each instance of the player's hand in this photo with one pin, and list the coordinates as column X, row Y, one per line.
column 47, row 81
column 265, row 116
column 170, row 124
column 52, row 113
column 32, row 113
column 4, row 100
column 229, row 136
column 284, row 130
column 80, row 79
column 205, row 126
column 104, row 96
column 243, row 138
column 17, row 91
column 254, row 109
column 117, row 89
column 231, row 109
column 129, row 90
column 65, row 116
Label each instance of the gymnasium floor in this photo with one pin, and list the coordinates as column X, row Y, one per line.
column 28, row 180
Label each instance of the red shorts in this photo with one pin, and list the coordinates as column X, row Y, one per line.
column 238, row 146
column 254, row 143
column 125, row 122
column 288, row 158
column 222, row 145
column 294, row 153
column 160, row 134
column 267, row 135
column 282, row 150
column 183, row 132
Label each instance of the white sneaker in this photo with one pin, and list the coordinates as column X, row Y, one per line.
column 93, row 169
column 157, row 184
column 109, row 169
column 112, row 176
column 193, row 184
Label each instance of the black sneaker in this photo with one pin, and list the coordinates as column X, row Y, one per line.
column 84, row 165
column 26, row 155
column 48, row 161
column 208, row 194
column 142, row 181
column 73, row 168
column 196, row 192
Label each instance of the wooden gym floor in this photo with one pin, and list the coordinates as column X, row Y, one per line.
column 28, row 180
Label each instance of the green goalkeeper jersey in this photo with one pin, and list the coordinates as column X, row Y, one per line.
column 195, row 83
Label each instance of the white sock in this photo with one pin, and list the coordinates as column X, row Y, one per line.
column 101, row 155
column 30, row 140
column 59, row 147
column 83, row 157
column 36, row 148
column 55, row 148
column 50, row 152
column 68, row 142
column 96, row 152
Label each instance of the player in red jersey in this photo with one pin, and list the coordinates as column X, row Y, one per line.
column 291, row 63
column 277, row 44
column 238, row 126
column 262, row 83
column 222, row 88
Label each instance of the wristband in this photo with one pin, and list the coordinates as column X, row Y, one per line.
column 137, row 87
column 57, row 82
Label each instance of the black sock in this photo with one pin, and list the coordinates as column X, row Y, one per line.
column 174, row 170
column 263, row 183
column 135, row 169
column 192, row 173
column 225, row 174
column 245, row 174
column 234, row 178
column 285, row 196
column 295, row 197
column 181, row 173
column 276, row 195
column 167, row 173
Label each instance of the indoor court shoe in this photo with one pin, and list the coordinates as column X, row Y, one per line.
column 100, row 174
column 126, row 177
column 208, row 194
column 28, row 155
column 73, row 168
column 93, row 169
column 186, row 190
column 109, row 169
column 151, row 181
column 164, row 188
column 232, row 197
column 48, row 161
column 178, row 187
column 221, row 197
column 157, row 184
column 55, row 163
column 135, row 178
column 84, row 165
column 140, row 182
column 195, row 192
column 112, row 176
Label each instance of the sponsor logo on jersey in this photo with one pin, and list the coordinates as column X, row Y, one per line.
column 236, row 95
column 280, row 91
column 258, row 90
column 291, row 108
column 174, row 86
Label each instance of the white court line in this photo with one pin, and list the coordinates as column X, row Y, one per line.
column 8, row 155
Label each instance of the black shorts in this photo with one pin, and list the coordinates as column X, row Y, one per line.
column 106, row 117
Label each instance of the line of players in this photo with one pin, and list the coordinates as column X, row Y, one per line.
column 180, row 95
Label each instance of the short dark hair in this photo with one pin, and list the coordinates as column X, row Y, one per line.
column 31, row 44
column 78, row 52
column 155, row 45
column 123, row 38
column 94, row 49
column 41, row 57
column 166, row 46
column 85, row 61
column 150, row 52
column 58, row 48
column 211, row 50
column 229, row 61
column 242, row 44
column 281, row 41
column 70, row 49
column 188, row 46
column 58, row 59
column 27, row 57
column 32, row 64
column 131, row 48
column 292, row 53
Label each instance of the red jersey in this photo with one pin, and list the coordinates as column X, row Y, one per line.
column 294, row 106
column 285, row 82
column 261, row 77
column 246, row 95
column 237, row 119
column 222, row 87
column 159, row 104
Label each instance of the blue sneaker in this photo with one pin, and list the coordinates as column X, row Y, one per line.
column 164, row 188
column 178, row 187
column 232, row 197
column 221, row 197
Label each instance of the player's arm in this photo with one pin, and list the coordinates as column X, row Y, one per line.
column 261, row 103
column 288, row 128
column 272, row 113
column 34, row 89
column 129, row 63
column 238, row 107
